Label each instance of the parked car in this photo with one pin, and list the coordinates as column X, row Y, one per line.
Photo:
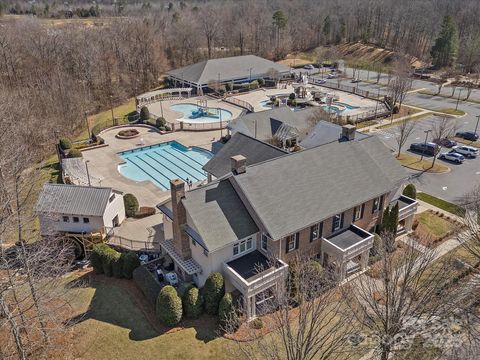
column 467, row 135
column 467, row 151
column 425, row 148
column 332, row 76
column 448, row 143
column 171, row 278
column 320, row 81
column 309, row 67
column 453, row 157
column 357, row 80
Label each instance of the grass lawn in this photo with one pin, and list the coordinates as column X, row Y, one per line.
column 413, row 118
column 435, row 224
column 442, row 204
column 115, row 328
column 467, row 142
column 414, row 162
column 451, row 111
column 119, row 112
column 376, row 269
column 428, row 92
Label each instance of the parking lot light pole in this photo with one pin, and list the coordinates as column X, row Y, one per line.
column 476, row 126
column 425, row 143
column 88, row 174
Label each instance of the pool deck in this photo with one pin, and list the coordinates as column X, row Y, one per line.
column 172, row 116
column 256, row 97
column 103, row 162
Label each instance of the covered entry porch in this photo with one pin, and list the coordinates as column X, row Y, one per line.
column 347, row 252
column 257, row 278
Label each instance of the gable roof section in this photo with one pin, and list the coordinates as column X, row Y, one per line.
column 264, row 124
column 240, row 144
column 229, row 68
column 292, row 192
column 73, row 199
column 326, row 132
column 218, row 214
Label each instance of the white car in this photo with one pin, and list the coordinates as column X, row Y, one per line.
column 309, row 67
column 171, row 278
column 467, row 151
column 332, row 76
column 453, row 157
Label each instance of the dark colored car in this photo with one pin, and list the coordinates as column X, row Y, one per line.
column 425, row 149
column 445, row 142
column 467, row 135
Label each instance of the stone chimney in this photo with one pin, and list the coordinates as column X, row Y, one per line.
column 348, row 132
column 180, row 239
column 239, row 164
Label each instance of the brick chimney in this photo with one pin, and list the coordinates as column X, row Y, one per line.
column 348, row 132
column 239, row 164
column 180, row 238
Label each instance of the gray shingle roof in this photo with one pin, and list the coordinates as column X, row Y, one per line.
column 73, row 199
column 240, row 144
column 292, row 192
column 264, row 124
column 325, row 132
column 229, row 68
column 218, row 214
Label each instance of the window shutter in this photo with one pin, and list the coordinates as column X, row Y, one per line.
column 381, row 202
column 354, row 213
column 320, row 230
column 286, row 244
column 341, row 220
column 363, row 210
column 333, row 223
column 297, row 240
column 311, row 233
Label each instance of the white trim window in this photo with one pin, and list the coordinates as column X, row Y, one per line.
column 264, row 242
column 292, row 242
column 242, row 246
column 337, row 222
column 316, row 231
column 377, row 204
column 358, row 212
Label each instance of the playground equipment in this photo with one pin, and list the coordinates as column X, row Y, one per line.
column 205, row 112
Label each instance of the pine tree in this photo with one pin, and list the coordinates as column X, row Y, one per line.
column 444, row 51
column 393, row 221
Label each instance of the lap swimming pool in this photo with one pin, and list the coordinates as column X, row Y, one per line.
column 161, row 163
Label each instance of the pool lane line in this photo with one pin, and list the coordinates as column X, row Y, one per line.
column 148, row 174
column 176, row 157
column 156, row 170
column 171, row 162
column 159, row 163
column 188, row 157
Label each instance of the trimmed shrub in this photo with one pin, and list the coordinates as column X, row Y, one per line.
column 160, row 122
column 292, row 96
column 144, row 211
column 75, row 153
column 261, row 82
column 410, row 191
column 257, row 323
column 168, row 128
column 226, row 310
column 144, row 114
column 130, row 263
column 65, row 144
column 169, row 306
column 147, row 283
column 96, row 257
column 192, row 303
column 109, row 257
column 117, row 265
column 131, row 204
column 213, row 292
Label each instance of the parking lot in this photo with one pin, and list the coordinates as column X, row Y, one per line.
column 452, row 186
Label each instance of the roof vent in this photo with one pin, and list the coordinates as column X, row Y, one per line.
column 239, row 164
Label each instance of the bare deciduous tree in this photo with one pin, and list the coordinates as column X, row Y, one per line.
column 404, row 304
column 443, row 127
column 405, row 129
column 305, row 319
